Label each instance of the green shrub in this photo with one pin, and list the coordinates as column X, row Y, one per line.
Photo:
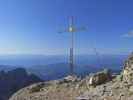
column 36, row 88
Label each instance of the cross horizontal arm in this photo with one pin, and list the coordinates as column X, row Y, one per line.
column 71, row 29
column 79, row 29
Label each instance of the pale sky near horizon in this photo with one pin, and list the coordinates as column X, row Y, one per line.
column 31, row 26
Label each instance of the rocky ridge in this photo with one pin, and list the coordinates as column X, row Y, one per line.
column 99, row 86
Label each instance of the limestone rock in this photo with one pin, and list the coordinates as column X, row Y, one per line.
column 99, row 78
column 128, row 70
column 70, row 78
column 131, row 89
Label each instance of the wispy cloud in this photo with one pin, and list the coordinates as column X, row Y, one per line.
column 128, row 35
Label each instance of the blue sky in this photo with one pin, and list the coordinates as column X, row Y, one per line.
column 31, row 26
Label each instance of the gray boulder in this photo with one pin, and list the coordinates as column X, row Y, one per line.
column 99, row 78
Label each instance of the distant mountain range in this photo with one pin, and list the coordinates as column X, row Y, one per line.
column 59, row 70
column 53, row 67
column 13, row 80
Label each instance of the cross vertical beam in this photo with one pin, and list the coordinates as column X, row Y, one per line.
column 72, row 29
column 71, row 48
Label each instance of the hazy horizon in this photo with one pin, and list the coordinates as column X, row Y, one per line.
column 31, row 60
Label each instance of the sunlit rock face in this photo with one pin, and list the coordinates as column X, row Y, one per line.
column 100, row 78
column 128, row 70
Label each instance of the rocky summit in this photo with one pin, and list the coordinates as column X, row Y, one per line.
column 99, row 86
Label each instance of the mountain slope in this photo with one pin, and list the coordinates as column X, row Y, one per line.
column 118, row 87
column 14, row 80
